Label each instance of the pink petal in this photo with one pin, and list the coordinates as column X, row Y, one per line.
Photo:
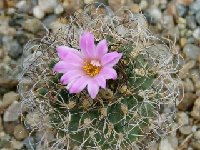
column 108, row 73
column 102, row 48
column 69, row 55
column 100, row 80
column 63, row 67
column 93, row 88
column 79, row 84
column 71, row 75
column 64, row 50
column 87, row 44
column 110, row 59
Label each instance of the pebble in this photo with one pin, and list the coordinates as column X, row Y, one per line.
column 9, row 127
column 188, row 85
column 197, row 135
column 187, row 129
column 187, row 101
column 38, row 12
column 191, row 51
column 182, row 42
column 59, row 9
column 49, row 20
column 197, row 16
column 1, row 53
column 153, row 15
column 182, row 118
column 191, row 22
column 181, row 10
column 88, row 1
column 20, row 132
column 194, row 7
column 13, row 112
column 195, row 113
column 32, row 25
column 196, row 34
column 143, row 4
column 169, row 143
column 185, row 2
column 8, row 99
column 23, row 6
column 47, row 6
column 195, row 145
column 1, row 125
column 14, row 50
column 16, row 145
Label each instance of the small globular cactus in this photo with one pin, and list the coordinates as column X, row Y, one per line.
column 128, row 110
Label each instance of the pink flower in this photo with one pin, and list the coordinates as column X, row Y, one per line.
column 90, row 67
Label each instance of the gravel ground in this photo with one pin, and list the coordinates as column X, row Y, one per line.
column 21, row 20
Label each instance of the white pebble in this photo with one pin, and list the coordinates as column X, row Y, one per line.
column 38, row 12
column 59, row 9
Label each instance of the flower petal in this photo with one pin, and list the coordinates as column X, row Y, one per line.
column 78, row 85
column 87, row 44
column 102, row 48
column 63, row 67
column 108, row 73
column 71, row 75
column 93, row 88
column 70, row 55
column 100, row 80
column 64, row 50
column 110, row 59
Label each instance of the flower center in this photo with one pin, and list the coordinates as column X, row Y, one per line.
column 92, row 68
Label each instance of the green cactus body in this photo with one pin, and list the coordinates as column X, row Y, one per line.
column 125, row 115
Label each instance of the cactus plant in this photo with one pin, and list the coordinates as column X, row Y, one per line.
column 130, row 113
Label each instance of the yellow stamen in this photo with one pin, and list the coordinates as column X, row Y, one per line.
column 91, row 69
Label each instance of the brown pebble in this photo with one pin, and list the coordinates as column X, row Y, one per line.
column 187, row 101
column 20, row 132
column 185, row 2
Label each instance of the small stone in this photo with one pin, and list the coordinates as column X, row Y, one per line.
column 16, row 145
column 153, row 15
column 195, row 145
column 1, row 53
column 143, row 4
column 196, row 34
column 182, row 118
column 47, row 6
column 185, row 2
column 23, row 6
column 169, row 143
column 182, row 42
column 15, row 50
column 191, row 51
column 8, row 83
column 187, row 129
column 195, row 113
column 88, row 1
column 59, row 9
column 49, row 20
column 9, row 127
column 194, row 7
column 32, row 25
column 13, row 112
column 135, row 8
column 20, row 132
column 198, row 17
column 187, row 101
column 8, row 99
column 38, row 12
column 197, row 135
column 181, row 10
column 184, row 72
column 1, row 125
column 188, row 85
column 191, row 22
